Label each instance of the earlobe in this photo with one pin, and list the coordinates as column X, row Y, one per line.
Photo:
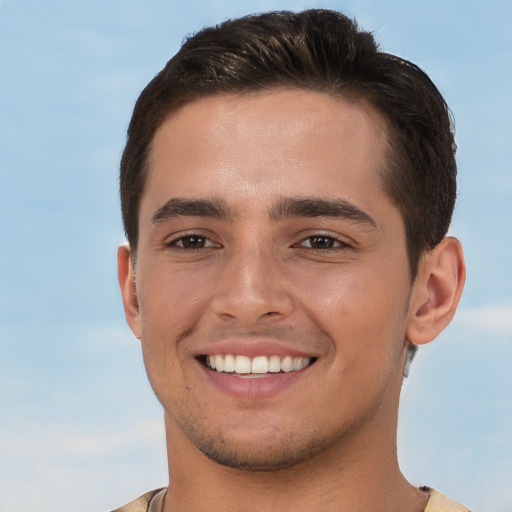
column 436, row 291
column 126, row 277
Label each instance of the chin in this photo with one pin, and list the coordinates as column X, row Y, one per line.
column 263, row 460
column 261, row 451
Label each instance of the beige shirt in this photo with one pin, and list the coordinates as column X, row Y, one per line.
column 153, row 502
column 438, row 502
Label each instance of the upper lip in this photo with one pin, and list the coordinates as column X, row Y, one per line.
column 253, row 347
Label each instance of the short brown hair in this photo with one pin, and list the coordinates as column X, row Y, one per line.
column 318, row 50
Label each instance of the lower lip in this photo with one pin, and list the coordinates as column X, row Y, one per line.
column 253, row 388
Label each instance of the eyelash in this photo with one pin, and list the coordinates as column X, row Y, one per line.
column 175, row 241
column 337, row 243
column 341, row 243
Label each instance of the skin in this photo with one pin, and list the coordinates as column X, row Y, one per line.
column 336, row 288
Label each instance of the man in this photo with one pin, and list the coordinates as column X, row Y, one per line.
column 286, row 191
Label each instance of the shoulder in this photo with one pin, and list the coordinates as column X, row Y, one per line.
column 438, row 502
column 140, row 504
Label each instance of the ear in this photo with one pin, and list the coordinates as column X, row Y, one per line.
column 126, row 277
column 436, row 291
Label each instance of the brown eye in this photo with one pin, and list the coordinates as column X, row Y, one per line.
column 191, row 242
column 324, row 243
column 321, row 242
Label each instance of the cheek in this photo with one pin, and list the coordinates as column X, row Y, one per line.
column 171, row 305
column 172, row 301
column 363, row 309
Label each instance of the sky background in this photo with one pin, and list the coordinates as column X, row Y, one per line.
column 80, row 429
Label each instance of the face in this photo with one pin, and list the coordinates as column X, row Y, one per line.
column 272, row 279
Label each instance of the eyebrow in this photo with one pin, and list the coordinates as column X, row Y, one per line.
column 212, row 208
column 284, row 208
column 319, row 207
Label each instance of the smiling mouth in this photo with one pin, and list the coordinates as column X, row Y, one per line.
column 253, row 367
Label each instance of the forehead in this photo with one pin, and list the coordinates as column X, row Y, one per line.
column 253, row 146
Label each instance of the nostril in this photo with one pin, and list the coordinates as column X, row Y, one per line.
column 248, row 307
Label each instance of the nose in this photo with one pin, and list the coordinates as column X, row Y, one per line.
column 253, row 289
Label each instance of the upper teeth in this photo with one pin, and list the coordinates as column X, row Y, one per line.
column 260, row 364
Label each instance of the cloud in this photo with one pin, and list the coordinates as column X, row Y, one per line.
column 104, row 337
column 40, row 444
column 496, row 319
column 88, row 470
